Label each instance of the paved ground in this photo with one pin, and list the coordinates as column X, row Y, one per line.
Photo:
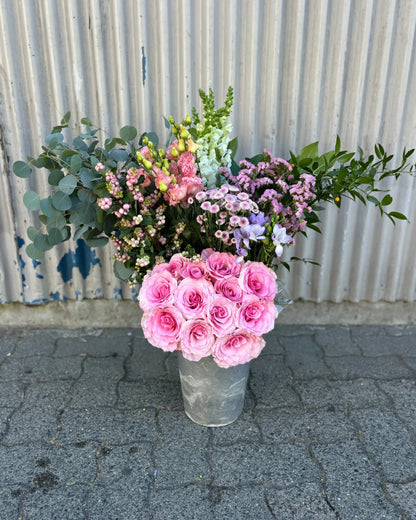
column 92, row 427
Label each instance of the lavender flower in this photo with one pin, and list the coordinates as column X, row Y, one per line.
column 258, row 219
column 252, row 232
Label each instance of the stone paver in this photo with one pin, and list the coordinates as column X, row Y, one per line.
column 92, row 427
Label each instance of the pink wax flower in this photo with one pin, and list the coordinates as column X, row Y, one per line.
column 194, row 270
column 162, row 326
column 256, row 315
column 158, row 289
column 176, row 264
column 229, row 288
column 192, row 297
column 237, row 348
column 197, row 339
column 256, row 278
column 221, row 314
column 222, row 265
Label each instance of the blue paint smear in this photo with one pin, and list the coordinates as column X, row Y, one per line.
column 135, row 294
column 83, row 258
column 117, row 294
column 37, row 301
column 35, row 263
column 143, row 66
column 39, row 276
column 57, row 297
column 98, row 294
column 20, row 242
column 22, row 264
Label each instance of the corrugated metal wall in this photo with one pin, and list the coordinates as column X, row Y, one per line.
column 303, row 70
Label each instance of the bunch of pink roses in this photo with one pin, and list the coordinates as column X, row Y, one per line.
column 209, row 305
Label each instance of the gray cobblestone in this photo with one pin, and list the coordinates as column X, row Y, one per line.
column 352, row 367
column 304, row 357
column 325, row 393
column 291, row 424
column 240, row 503
column 403, row 394
column 300, row 503
column 92, row 427
column 405, row 496
column 108, row 425
column 9, row 499
column 352, row 483
column 177, row 460
column 181, row 502
column 387, row 345
column 284, row 465
column 389, row 442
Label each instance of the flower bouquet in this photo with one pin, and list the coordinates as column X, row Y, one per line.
column 201, row 233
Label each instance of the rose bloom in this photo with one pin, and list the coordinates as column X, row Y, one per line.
column 229, row 288
column 186, row 164
column 192, row 297
column 222, row 315
column 194, row 270
column 256, row 315
column 197, row 339
column 256, row 278
column 157, row 290
column 238, row 348
column 176, row 264
column 222, row 265
column 162, row 326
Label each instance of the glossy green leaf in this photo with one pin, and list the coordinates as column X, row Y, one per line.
column 96, row 242
column 41, row 242
column 33, row 252
column 68, row 184
column 54, row 237
column 66, row 118
column 121, row 271
column 388, row 199
column 76, row 163
column 310, row 151
column 31, row 200
column 86, row 121
column 128, row 133
column 397, row 215
column 54, row 177
column 21, row 169
column 61, row 201
column 47, row 208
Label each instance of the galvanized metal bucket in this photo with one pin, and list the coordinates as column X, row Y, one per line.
column 212, row 396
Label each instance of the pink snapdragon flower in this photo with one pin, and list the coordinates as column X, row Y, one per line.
column 197, row 339
column 162, row 326
column 237, row 348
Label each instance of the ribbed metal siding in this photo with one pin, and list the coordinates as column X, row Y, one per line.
column 302, row 71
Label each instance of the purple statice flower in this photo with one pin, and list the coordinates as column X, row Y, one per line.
column 244, row 235
column 258, row 219
column 280, row 238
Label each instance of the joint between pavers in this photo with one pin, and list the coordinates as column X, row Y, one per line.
column 323, row 480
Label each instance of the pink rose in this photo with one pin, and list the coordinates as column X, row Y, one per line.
column 256, row 315
column 194, row 270
column 258, row 279
column 222, row 315
column 222, row 265
column 157, row 290
column 162, row 326
column 197, row 339
column 238, row 348
column 176, row 264
column 192, row 297
column 229, row 288
column 206, row 253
